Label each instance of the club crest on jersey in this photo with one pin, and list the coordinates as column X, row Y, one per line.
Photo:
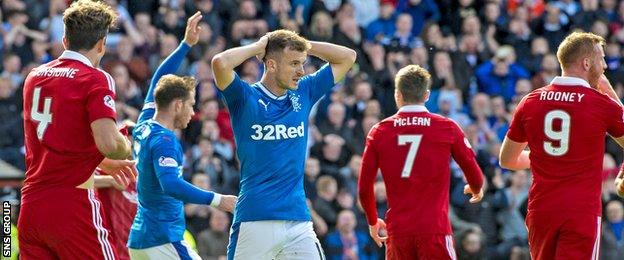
column 294, row 100
column 167, row 162
column 109, row 102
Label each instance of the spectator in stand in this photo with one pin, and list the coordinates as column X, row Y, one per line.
column 197, row 216
column 548, row 71
column 11, row 129
column 212, row 242
column 384, row 25
column 326, row 190
column 471, row 246
column 499, row 75
column 421, row 12
column 612, row 242
column 246, row 27
column 347, row 243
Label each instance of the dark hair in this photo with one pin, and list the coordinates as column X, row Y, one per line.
column 413, row 82
column 282, row 39
column 171, row 87
column 87, row 22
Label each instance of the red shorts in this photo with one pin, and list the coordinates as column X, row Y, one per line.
column 67, row 224
column 420, row 247
column 556, row 235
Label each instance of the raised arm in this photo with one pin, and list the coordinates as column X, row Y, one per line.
column 172, row 63
column 340, row 58
column 223, row 64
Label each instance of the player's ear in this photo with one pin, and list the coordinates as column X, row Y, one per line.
column 586, row 64
column 101, row 45
column 270, row 64
column 179, row 105
column 426, row 97
column 65, row 42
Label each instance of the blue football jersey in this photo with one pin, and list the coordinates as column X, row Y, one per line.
column 160, row 217
column 271, row 139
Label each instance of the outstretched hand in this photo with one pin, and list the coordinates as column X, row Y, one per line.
column 476, row 196
column 374, row 232
column 123, row 171
column 191, row 35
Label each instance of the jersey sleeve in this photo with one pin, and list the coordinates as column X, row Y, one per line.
column 516, row 129
column 465, row 157
column 366, row 181
column 166, row 165
column 168, row 66
column 318, row 83
column 615, row 121
column 101, row 98
column 235, row 94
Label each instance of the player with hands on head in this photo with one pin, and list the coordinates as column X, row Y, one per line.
column 158, row 228
column 413, row 149
column 270, row 123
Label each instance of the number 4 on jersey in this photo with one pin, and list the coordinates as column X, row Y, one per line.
column 414, row 141
column 44, row 118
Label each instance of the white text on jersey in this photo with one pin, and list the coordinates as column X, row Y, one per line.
column 276, row 132
column 422, row 121
column 56, row 72
column 561, row 96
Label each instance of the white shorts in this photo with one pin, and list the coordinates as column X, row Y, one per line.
column 274, row 239
column 176, row 250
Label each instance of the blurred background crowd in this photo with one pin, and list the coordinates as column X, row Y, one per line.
column 484, row 56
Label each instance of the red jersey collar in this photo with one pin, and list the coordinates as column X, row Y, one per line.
column 72, row 55
column 569, row 81
column 413, row 108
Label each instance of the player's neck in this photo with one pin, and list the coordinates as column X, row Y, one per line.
column 270, row 84
column 91, row 55
column 574, row 73
column 164, row 119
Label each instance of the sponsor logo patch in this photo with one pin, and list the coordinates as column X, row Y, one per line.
column 167, row 162
column 109, row 102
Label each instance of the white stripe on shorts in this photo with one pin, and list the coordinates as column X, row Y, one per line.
column 102, row 233
column 596, row 251
column 449, row 246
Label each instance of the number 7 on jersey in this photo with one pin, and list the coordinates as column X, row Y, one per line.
column 414, row 141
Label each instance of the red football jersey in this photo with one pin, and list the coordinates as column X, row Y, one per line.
column 61, row 99
column 119, row 209
column 413, row 149
column 565, row 124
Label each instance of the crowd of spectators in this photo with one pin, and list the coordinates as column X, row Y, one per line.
column 484, row 56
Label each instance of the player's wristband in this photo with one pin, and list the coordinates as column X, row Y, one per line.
column 216, row 200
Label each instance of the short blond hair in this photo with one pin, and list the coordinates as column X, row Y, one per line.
column 576, row 46
column 413, row 81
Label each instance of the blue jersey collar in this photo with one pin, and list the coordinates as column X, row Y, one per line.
column 268, row 93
